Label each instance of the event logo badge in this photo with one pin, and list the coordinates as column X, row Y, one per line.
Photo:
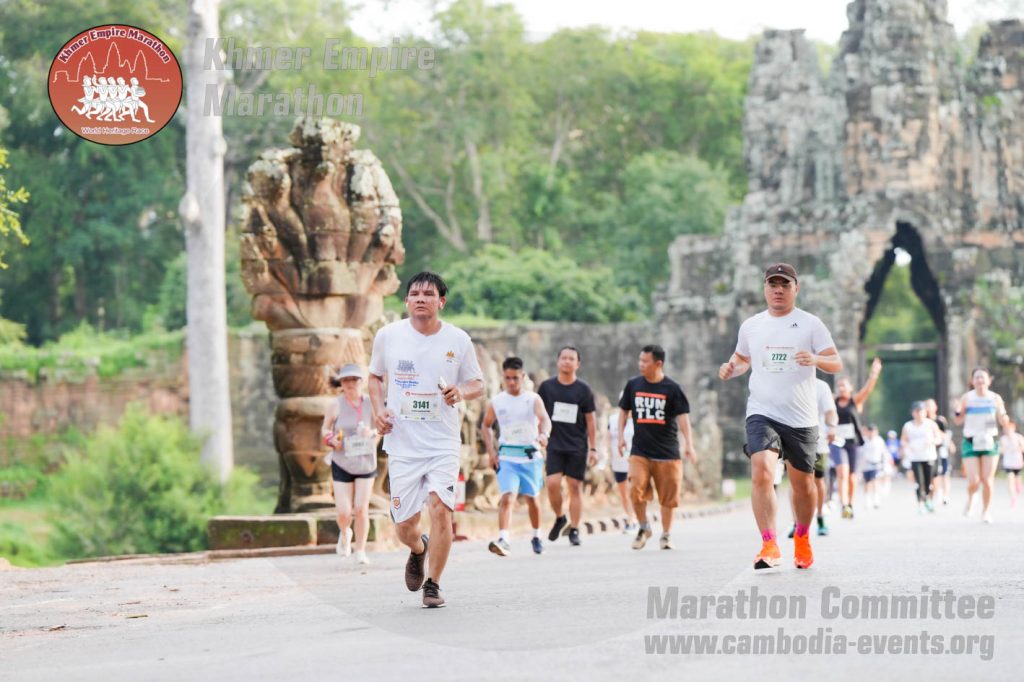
column 115, row 84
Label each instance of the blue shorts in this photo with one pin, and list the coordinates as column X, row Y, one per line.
column 526, row 478
column 870, row 474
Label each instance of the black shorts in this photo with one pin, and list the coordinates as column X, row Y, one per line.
column 796, row 445
column 1011, row 470
column 341, row 476
column 819, row 465
column 572, row 464
column 621, row 476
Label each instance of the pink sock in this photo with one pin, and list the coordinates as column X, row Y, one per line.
column 768, row 534
column 801, row 530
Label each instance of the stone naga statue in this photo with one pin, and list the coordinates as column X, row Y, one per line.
column 321, row 236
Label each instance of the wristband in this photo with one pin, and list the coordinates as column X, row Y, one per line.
column 593, row 450
column 327, row 439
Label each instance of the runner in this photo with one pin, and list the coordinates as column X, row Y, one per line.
column 920, row 439
column 892, row 444
column 941, row 483
column 518, row 461
column 981, row 412
column 429, row 366
column 573, row 443
column 874, row 454
column 620, row 466
column 348, row 431
column 826, row 433
column 782, row 346
column 849, row 407
column 1011, row 444
column 660, row 412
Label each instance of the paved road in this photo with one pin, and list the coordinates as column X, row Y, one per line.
column 573, row 613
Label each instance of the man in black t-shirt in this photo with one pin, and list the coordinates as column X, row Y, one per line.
column 660, row 412
column 573, row 441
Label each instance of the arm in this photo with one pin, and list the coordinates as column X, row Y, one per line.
column 623, row 417
column 1001, row 417
column 831, row 421
column 736, row 366
column 683, row 421
column 958, row 411
column 827, row 361
column 861, row 396
column 382, row 417
column 327, row 436
column 937, row 436
column 543, row 422
column 591, row 438
column 474, row 388
column 488, row 435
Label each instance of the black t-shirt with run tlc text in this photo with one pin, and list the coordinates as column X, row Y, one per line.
column 567, row 406
column 655, row 408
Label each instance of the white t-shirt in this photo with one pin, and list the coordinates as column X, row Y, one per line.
column 620, row 463
column 780, row 389
column 873, row 453
column 826, row 404
column 517, row 424
column 411, row 363
column 921, row 441
column 1013, row 450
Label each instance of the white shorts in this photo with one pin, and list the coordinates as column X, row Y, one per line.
column 413, row 479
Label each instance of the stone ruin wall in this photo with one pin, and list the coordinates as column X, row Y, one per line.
column 899, row 131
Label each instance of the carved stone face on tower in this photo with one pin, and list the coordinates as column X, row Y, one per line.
column 322, row 231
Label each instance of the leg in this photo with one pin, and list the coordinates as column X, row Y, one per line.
column 534, row 509
column 343, row 496
column 361, row 508
column 804, row 495
column 762, row 497
column 972, row 467
column 554, row 487
column 987, row 474
column 1011, row 482
column 627, row 503
column 409, row 533
column 842, row 482
column 575, row 501
column 851, row 478
column 440, row 536
column 505, row 510
column 668, row 479
column 820, row 485
column 639, row 487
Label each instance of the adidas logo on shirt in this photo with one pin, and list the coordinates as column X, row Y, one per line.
column 794, row 326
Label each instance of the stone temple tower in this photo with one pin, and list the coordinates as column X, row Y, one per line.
column 904, row 144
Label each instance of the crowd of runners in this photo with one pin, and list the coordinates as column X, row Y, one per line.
column 422, row 367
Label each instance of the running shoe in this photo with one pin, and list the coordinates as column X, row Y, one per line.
column 929, row 506
column 537, row 547
column 500, row 547
column 556, row 529
column 822, row 529
column 803, row 557
column 628, row 528
column 792, row 532
column 769, row 556
column 642, row 536
column 574, row 537
column 987, row 518
column 432, row 598
column 361, row 558
column 344, row 546
column 414, row 567
column 967, row 509
column 666, row 542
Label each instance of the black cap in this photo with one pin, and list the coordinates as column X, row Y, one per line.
column 780, row 270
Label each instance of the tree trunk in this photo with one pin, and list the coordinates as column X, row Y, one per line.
column 202, row 212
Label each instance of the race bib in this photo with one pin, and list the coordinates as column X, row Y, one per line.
column 520, row 433
column 565, row 413
column 356, row 446
column 421, row 407
column 845, row 431
column 779, row 359
column 983, row 443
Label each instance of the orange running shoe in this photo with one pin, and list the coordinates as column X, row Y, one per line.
column 803, row 557
column 769, row 556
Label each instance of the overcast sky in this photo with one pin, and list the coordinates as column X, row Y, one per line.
column 825, row 20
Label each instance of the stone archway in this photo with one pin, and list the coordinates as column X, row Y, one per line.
column 898, row 134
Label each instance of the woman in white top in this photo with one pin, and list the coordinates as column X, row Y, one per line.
column 981, row 412
column 348, row 432
column 920, row 440
column 1011, row 444
column 620, row 466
